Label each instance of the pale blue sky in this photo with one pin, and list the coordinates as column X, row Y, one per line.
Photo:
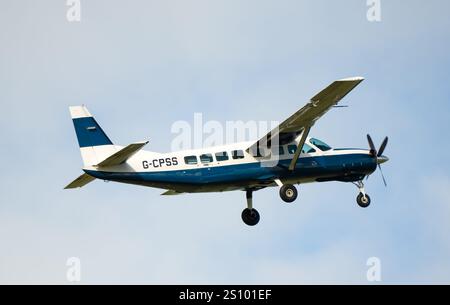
column 142, row 65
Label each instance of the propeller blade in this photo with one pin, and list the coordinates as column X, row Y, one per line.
column 382, row 175
column 372, row 146
column 382, row 147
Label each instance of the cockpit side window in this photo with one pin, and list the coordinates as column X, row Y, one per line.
column 320, row 145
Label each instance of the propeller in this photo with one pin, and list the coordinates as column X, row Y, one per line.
column 383, row 147
column 378, row 154
column 382, row 175
column 373, row 150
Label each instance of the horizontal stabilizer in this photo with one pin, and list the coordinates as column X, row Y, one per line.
column 80, row 181
column 171, row 193
column 122, row 155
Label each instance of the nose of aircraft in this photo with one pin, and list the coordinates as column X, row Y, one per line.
column 382, row 159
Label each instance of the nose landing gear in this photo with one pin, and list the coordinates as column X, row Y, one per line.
column 363, row 199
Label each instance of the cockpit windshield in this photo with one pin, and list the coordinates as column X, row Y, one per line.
column 319, row 144
column 308, row 149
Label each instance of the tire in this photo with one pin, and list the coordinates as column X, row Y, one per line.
column 250, row 217
column 288, row 193
column 363, row 201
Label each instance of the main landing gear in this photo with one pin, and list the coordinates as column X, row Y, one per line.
column 250, row 215
column 363, row 199
column 288, row 193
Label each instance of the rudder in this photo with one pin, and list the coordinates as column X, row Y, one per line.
column 94, row 144
column 89, row 133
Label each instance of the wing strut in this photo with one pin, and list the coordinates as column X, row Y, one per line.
column 299, row 148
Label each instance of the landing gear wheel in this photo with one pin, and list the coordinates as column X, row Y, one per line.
column 288, row 193
column 250, row 217
column 363, row 201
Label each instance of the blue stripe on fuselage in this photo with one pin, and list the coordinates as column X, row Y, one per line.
column 310, row 167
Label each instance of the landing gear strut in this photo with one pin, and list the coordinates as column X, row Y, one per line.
column 250, row 215
column 363, row 199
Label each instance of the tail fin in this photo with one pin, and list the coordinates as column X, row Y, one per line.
column 94, row 144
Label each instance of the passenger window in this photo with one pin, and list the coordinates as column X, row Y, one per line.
column 190, row 160
column 237, row 154
column 206, row 158
column 307, row 149
column 292, row 149
column 222, row 156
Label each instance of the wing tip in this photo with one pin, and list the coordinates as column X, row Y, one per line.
column 352, row 79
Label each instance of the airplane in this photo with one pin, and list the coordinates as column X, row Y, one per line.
column 240, row 166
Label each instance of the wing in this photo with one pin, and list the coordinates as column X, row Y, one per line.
column 306, row 117
column 80, row 181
